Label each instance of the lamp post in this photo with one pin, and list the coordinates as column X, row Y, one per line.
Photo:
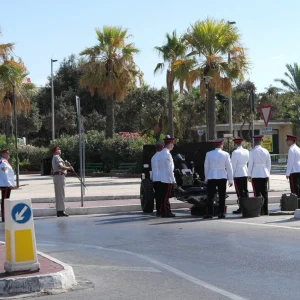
column 52, row 99
column 16, row 134
column 230, row 96
column 207, row 79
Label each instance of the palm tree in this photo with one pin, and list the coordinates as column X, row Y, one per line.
column 110, row 69
column 293, row 74
column 173, row 54
column 12, row 75
column 211, row 41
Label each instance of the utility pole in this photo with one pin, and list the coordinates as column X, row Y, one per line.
column 52, row 99
column 230, row 94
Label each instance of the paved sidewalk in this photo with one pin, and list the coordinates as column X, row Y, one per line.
column 108, row 194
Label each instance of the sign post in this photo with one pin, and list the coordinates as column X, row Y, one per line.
column 21, row 255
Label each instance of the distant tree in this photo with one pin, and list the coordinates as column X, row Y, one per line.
column 211, row 41
column 293, row 78
column 110, row 69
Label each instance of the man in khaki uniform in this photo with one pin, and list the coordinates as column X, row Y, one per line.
column 60, row 169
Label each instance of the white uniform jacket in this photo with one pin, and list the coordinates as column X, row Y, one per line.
column 154, row 167
column 239, row 160
column 6, row 173
column 293, row 164
column 165, row 167
column 217, row 165
column 259, row 163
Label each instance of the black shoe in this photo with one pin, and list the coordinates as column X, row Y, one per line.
column 207, row 217
column 168, row 215
column 238, row 211
column 221, row 216
column 62, row 214
column 158, row 214
column 266, row 213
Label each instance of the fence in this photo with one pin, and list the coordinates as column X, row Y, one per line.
column 278, row 162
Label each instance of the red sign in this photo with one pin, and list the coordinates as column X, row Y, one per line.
column 266, row 113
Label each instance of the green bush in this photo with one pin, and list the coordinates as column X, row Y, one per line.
column 30, row 157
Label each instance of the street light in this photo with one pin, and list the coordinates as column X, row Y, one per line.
column 230, row 96
column 207, row 79
column 52, row 99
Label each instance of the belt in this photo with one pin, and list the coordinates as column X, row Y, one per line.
column 260, row 165
column 59, row 173
column 240, row 166
column 217, row 169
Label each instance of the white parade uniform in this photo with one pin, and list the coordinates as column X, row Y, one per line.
column 259, row 163
column 239, row 160
column 6, row 174
column 164, row 171
column 218, row 165
column 154, row 174
column 293, row 164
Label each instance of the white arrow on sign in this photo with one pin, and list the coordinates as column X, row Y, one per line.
column 19, row 215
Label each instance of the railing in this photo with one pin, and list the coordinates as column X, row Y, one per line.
column 278, row 162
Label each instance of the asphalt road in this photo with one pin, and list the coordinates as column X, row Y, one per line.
column 137, row 256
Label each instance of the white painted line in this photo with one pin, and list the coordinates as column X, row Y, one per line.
column 120, row 268
column 177, row 272
column 260, row 224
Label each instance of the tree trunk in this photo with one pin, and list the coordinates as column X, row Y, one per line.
column 110, row 117
column 211, row 114
column 8, row 125
column 170, row 86
column 170, row 115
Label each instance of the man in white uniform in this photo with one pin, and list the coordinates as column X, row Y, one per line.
column 7, row 181
column 259, row 168
column 239, row 160
column 293, row 165
column 164, row 176
column 154, row 175
column 218, row 169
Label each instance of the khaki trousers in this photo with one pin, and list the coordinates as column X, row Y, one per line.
column 59, row 188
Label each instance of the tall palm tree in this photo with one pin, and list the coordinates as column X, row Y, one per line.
column 12, row 74
column 293, row 75
column 211, row 41
column 173, row 53
column 110, row 69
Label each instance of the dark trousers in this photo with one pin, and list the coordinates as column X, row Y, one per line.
column 260, row 188
column 241, row 186
column 5, row 194
column 212, row 185
column 157, row 196
column 162, row 193
column 295, row 183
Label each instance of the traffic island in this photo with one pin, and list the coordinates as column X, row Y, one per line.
column 52, row 275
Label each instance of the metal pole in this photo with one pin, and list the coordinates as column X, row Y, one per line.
column 83, row 154
column 252, row 118
column 230, row 93
column 230, row 104
column 206, row 109
column 16, row 136
column 52, row 101
column 80, row 147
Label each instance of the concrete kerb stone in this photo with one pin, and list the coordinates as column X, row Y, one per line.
column 61, row 280
column 86, row 198
column 46, row 212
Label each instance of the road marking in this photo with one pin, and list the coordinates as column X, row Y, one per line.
column 260, row 224
column 161, row 265
column 119, row 268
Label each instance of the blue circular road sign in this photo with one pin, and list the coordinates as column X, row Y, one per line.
column 21, row 213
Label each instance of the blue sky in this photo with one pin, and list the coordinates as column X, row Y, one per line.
column 42, row 30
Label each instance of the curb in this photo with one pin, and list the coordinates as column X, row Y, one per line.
column 31, row 284
column 46, row 212
column 86, row 198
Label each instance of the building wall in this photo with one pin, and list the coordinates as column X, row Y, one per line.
column 283, row 132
